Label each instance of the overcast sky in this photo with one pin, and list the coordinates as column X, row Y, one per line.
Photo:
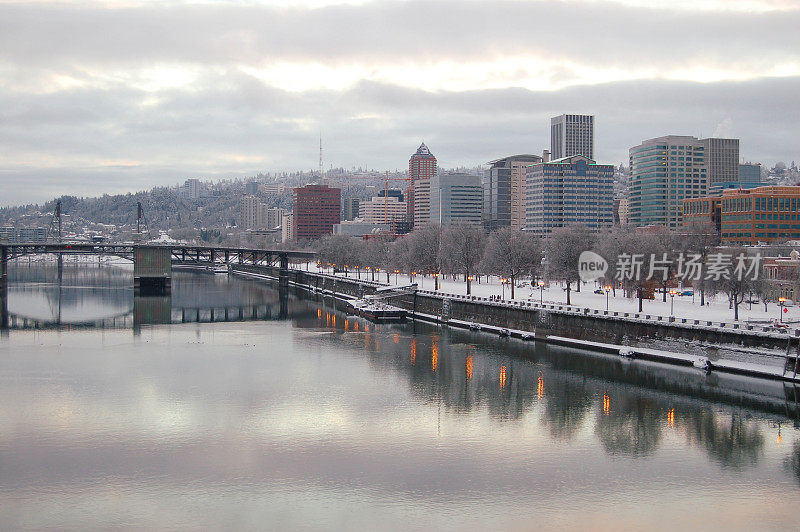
column 117, row 96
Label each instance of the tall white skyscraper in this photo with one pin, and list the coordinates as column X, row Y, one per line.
column 572, row 135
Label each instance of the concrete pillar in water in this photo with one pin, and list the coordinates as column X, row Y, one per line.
column 152, row 270
column 3, row 287
column 283, row 286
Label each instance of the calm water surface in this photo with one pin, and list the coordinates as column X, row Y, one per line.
column 299, row 417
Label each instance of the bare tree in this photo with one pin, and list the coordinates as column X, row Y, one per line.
column 375, row 254
column 337, row 250
column 736, row 280
column 662, row 244
column 399, row 254
column 511, row 253
column 609, row 245
column 700, row 238
column 462, row 249
column 423, row 248
column 640, row 264
column 562, row 250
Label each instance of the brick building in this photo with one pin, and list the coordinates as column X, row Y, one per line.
column 317, row 208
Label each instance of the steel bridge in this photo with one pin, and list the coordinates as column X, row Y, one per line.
column 205, row 256
column 181, row 254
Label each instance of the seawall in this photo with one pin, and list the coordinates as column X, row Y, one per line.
column 541, row 321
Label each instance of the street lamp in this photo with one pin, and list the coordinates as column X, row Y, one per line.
column 672, row 301
column 396, row 273
column 541, row 292
column 436, row 280
column 503, row 284
column 781, row 301
column 469, row 284
column 607, row 288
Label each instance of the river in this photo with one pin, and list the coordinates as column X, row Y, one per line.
column 219, row 407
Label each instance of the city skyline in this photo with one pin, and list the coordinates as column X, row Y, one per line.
column 101, row 95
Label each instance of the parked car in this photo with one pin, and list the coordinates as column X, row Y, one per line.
column 686, row 293
column 599, row 291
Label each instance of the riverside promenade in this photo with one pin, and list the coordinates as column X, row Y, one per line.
column 740, row 348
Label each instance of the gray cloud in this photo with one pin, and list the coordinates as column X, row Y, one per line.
column 235, row 125
column 597, row 34
column 108, row 132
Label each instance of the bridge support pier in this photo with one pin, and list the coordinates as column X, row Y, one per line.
column 152, row 270
column 283, row 272
column 4, row 287
column 283, row 286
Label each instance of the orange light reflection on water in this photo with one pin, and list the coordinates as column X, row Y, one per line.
column 434, row 355
column 502, row 376
column 469, row 367
column 413, row 351
column 606, row 404
column 540, row 387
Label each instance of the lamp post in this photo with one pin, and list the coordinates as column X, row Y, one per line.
column 607, row 289
column 469, row 284
column 671, row 301
column 541, row 292
column 436, row 280
column 503, row 285
column 396, row 273
column 781, row 301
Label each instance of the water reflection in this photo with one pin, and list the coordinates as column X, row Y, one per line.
column 632, row 427
column 90, row 296
column 731, row 440
column 356, row 424
column 464, row 372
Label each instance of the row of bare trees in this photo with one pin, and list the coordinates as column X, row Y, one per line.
column 457, row 249
column 465, row 251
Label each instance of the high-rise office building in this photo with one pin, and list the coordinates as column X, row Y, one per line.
column 287, row 227
column 392, row 193
column 572, row 135
column 273, row 217
column 749, row 174
column 421, row 169
column 249, row 212
column 383, row 210
column 271, row 188
column 191, row 189
column 569, row 191
column 251, row 187
column 456, row 198
column 504, row 192
column 316, row 209
column 722, row 158
column 256, row 215
column 350, row 207
column 666, row 170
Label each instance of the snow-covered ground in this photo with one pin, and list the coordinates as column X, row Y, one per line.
column 716, row 308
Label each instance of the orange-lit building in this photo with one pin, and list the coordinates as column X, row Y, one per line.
column 702, row 209
column 750, row 216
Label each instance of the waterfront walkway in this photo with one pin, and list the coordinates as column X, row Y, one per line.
column 683, row 307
